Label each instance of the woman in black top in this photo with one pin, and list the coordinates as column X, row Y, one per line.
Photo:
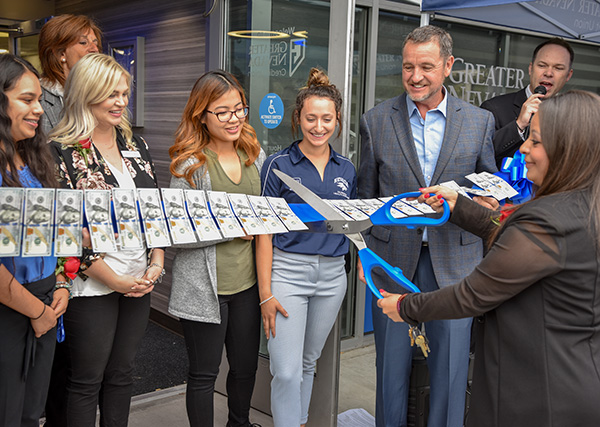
column 538, row 343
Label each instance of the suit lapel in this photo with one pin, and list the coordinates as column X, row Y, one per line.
column 403, row 132
column 454, row 119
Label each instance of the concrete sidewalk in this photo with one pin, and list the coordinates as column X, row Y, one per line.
column 166, row 408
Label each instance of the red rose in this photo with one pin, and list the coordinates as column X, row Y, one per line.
column 71, row 267
column 85, row 143
column 505, row 213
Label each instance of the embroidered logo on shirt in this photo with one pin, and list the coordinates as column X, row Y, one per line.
column 342, row 185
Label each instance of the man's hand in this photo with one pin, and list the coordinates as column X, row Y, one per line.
column 529, row 108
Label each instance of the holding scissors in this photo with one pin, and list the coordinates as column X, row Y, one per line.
column 336, row 223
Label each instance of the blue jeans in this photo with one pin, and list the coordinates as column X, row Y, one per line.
column 311, row 289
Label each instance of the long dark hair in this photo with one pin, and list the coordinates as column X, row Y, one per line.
column 569, row 134
column 33, row 151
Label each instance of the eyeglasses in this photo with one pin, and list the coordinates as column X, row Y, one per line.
column 225, row 116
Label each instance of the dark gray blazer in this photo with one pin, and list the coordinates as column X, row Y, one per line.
column 52, row 105
column 389, row 165
column 506, row 109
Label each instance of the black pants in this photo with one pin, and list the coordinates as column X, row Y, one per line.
column 102, row 335
column 239, row 330
column 25, row 362
column 56, row 403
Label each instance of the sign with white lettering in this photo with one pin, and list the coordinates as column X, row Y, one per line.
column 271, row 110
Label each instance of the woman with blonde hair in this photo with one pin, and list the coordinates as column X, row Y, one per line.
column 95, row 148
column 302, row 276
column 538, row 288
column 214, row 283
column 63, row 41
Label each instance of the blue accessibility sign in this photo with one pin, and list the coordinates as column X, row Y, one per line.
column 271, row 110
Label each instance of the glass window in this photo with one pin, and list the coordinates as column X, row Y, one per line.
column 271, row 46
column 487, row 62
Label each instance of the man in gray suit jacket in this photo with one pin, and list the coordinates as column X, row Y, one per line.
column 410, row 142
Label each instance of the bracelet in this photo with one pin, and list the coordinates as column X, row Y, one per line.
column 61, row 284
column 43, row 311
column 400, row 298
column 162, row 273
column 519, row 127
column 268, row 299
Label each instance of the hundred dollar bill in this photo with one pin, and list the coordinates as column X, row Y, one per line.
column 228, row 223
column 245, row 214
column 128, row 222
column 11, row 220
column 287, row 216
column 265, row 213
column 69, row 218
column 206, row 228
column 179, row 222
column 39, row 213
column 98, row 213
column 153, row 218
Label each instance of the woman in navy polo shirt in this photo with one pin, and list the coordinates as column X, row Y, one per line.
column 301, row 276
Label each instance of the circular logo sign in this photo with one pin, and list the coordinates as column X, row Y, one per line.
column 271, row 110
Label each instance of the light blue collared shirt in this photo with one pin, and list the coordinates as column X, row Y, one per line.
column 428, row 134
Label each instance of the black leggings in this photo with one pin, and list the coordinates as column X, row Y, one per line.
column 103, row 334
column 239, row 330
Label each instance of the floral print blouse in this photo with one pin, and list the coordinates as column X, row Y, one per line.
column 73, row 172
column 85, row 169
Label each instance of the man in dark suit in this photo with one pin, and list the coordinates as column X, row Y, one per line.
column 551, row 67
column 421, row 138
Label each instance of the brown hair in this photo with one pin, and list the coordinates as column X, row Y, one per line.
column 317, row 85
column 192, row 135
column 569, row 134
column 56, row 36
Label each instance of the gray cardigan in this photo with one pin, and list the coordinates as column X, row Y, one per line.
column 194, row 287
column 52, row 103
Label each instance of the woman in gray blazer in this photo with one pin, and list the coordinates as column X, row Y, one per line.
column 64, row 40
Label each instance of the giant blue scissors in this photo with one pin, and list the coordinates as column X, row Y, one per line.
column 336, row 223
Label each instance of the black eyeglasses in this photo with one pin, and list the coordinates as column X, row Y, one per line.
column 225, row 116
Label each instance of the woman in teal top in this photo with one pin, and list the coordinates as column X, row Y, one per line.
column 29, row 300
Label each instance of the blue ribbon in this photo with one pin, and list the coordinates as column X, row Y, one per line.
column 514, row 172
column 60, row 330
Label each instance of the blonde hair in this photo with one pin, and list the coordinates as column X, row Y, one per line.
column 91, row 81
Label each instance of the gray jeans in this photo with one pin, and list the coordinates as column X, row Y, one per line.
column 311, row 289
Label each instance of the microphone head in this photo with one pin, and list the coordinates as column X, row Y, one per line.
column 540, row 89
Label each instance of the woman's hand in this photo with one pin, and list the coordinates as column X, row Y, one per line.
column 132, row 286
column 434, row 196
column 60, row 301
column 247, row 237
column 487, row 202
column 389, row 305
column 44, row 323
column 269, row 312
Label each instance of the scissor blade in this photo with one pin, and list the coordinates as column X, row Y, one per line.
column 309, row 197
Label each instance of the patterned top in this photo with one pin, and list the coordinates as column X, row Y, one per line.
column 73, row 172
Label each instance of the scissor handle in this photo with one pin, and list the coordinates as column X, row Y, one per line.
column 370, row 259
column 383, row 215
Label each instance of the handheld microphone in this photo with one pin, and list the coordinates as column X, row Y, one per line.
column 540, row 89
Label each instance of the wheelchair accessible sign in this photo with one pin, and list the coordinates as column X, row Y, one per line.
column 271, row 110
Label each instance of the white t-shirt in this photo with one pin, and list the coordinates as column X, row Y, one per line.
column 132, row 262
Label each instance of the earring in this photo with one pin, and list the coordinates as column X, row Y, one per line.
column 63, row 60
